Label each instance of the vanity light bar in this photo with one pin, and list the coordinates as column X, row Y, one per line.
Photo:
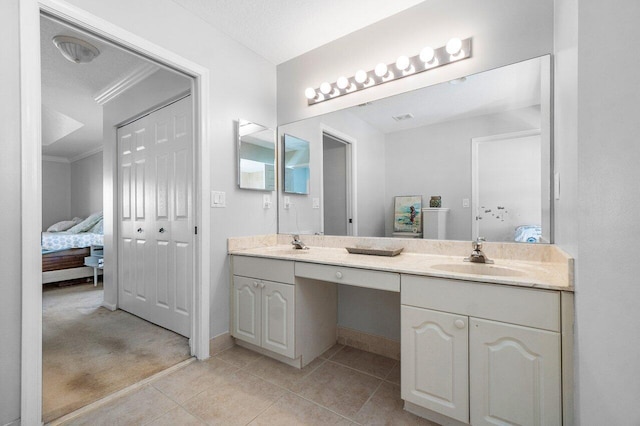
column 455, row 50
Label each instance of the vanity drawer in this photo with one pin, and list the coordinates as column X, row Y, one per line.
column 514, row 305
column 263, row 268
column 350, row 276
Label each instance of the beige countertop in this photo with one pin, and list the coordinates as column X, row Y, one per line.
column 552, row 272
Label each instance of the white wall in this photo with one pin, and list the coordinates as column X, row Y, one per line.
column 86, row 186
column 10, row 257
column 436, row 160
column 56, row 192
column 607, row 287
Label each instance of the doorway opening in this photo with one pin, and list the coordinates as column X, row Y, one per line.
column 507, row 189
column 33, row 117
column 337, row 172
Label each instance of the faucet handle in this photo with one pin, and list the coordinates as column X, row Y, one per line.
column 477, row 244
column 295, row 237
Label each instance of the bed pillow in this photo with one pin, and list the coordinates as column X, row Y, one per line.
column 98, row 228
column 61, row 226
column 86, row 224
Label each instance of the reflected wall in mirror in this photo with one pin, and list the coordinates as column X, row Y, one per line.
column 295, row 164
column 482, row 143
column 256, row 156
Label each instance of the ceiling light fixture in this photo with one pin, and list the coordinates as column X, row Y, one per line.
column 76, row 50
column 429, row 58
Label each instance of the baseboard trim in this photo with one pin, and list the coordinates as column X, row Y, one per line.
column 369, row 342
column 110, row 306
column 220, row 343
column 13, row 423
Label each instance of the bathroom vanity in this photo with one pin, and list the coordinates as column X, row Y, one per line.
column 480, row 344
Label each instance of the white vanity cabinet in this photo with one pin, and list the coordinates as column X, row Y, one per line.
column 274, row 313
column 263, row 314
column 479, row 353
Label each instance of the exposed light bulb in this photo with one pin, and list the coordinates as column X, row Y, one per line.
column 453, row 46
column 342, row 82
column 427, row 54
column 381, row 69
column 361, row 76
column 325, row 88
column 310, row 93
column 402, row 63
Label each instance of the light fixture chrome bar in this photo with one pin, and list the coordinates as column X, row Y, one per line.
column 404, row 67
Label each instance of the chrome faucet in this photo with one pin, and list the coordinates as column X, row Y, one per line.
column 297, row 243
column 477, row 255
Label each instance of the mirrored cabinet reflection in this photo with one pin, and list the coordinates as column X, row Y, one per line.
column 256, row 156
column 296, row 165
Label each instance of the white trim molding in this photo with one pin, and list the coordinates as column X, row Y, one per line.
column 125, row 82
column 85, row 154
column 31, row 183
column 55, row 159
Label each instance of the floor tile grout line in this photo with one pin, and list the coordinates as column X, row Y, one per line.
column 322, row 406
column 370, row 396
column 355, row 369
column 266, row 408
column 389, row 373
column 283, row 387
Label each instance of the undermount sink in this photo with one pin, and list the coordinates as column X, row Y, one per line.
column 479, row 269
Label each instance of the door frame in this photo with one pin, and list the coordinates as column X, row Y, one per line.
column 475, row 144
column 31, row 184
column 352, row 193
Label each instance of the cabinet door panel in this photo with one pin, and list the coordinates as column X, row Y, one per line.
column 515, row 375
column 278, row 318
column 435, row 369
column 246, row 312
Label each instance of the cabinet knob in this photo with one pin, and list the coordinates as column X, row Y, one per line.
column 261, row 284
column 255, row 284
column 459, row 323
column 338, row 274
column 161, row 230
column 139, row 230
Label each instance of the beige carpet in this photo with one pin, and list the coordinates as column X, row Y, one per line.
column 89, row 352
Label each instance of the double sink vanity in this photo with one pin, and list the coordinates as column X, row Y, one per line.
column 480, row 343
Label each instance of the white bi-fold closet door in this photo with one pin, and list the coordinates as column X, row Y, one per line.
column 155, row 244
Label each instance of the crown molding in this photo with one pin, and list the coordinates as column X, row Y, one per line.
column 55, row 159
column 85, row 154
column 124, row 83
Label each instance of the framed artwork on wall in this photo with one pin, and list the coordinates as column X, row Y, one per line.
column 407, row 213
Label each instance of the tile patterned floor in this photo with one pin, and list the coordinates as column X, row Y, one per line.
column 345, row 386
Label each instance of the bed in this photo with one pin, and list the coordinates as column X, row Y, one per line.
column 63, row 253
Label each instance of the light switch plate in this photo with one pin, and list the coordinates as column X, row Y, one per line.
column 465, row 202
column 218, row 199
column 266, row 201
column 316, row 203
column 286, row 202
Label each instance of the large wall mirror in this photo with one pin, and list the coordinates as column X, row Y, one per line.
column 481, row 143
column 256, row 156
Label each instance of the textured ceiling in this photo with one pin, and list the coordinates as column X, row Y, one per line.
column 279, row 30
